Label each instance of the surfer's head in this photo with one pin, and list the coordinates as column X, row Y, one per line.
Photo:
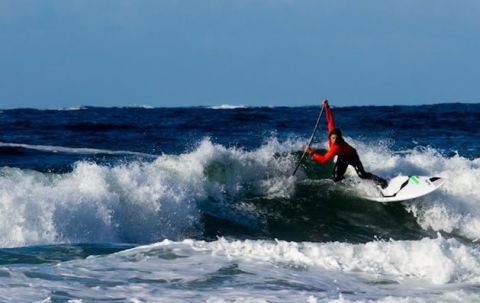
column 335, row 136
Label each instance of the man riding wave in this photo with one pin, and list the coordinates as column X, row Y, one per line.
column 346, row 154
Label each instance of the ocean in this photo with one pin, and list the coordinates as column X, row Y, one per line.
column 142, row 204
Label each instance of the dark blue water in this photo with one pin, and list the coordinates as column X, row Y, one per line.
column 448, row 127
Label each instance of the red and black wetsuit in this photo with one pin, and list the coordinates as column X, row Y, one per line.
column 341, row 148
column 346, row 154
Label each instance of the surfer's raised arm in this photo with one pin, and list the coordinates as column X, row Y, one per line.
column 329, row 115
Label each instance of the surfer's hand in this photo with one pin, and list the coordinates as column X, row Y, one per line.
column 308, row 150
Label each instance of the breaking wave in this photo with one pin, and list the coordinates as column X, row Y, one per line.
column 222, row 189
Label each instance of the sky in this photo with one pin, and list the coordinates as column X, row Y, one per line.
column 67, row 53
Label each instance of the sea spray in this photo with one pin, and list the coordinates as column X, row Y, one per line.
column 454, row 207
column 138, row 202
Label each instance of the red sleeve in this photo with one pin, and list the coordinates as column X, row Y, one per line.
column 329, row 114
column 327, row 157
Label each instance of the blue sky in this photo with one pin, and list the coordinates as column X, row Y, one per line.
column 63, row 53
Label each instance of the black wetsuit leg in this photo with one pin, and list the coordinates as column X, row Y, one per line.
column 339, row 170
column 357, row 164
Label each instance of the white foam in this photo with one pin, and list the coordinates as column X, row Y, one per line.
column 144, row 106
column 73, row 108
column 138, row 201
column 429, row 270
column 91, row 204
column 436, row 261
column 455, row 207
column 73, row 150
column 227, row 106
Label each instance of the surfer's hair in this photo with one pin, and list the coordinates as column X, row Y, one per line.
column 338, row 132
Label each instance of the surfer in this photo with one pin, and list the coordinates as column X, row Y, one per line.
column 346, row 154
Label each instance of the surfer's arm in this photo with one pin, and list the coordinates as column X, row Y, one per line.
column 329, row 115
column 322, row 159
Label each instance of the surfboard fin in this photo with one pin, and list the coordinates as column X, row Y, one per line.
column 394, row 194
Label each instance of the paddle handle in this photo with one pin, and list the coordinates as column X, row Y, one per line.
column 310, row 140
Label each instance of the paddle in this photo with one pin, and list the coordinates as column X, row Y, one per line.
column 309, row 141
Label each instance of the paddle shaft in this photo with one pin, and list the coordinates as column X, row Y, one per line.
column 310, row 140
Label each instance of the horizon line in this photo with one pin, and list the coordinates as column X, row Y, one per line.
column 226, row 106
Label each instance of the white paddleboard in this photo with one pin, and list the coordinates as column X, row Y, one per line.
column 403, row 188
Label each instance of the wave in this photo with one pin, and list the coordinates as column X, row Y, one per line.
column 437, row 261
column 84, row 107
column 213, row 190
column 73, row 108
column 72, row 150
column 227, row 106
column 427, row 270
column 133, row 202
column 454, row 208
column 143, row 106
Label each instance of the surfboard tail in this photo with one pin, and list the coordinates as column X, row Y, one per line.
column 402, row 188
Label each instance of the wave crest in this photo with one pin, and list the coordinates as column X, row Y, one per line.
column 175, row 196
